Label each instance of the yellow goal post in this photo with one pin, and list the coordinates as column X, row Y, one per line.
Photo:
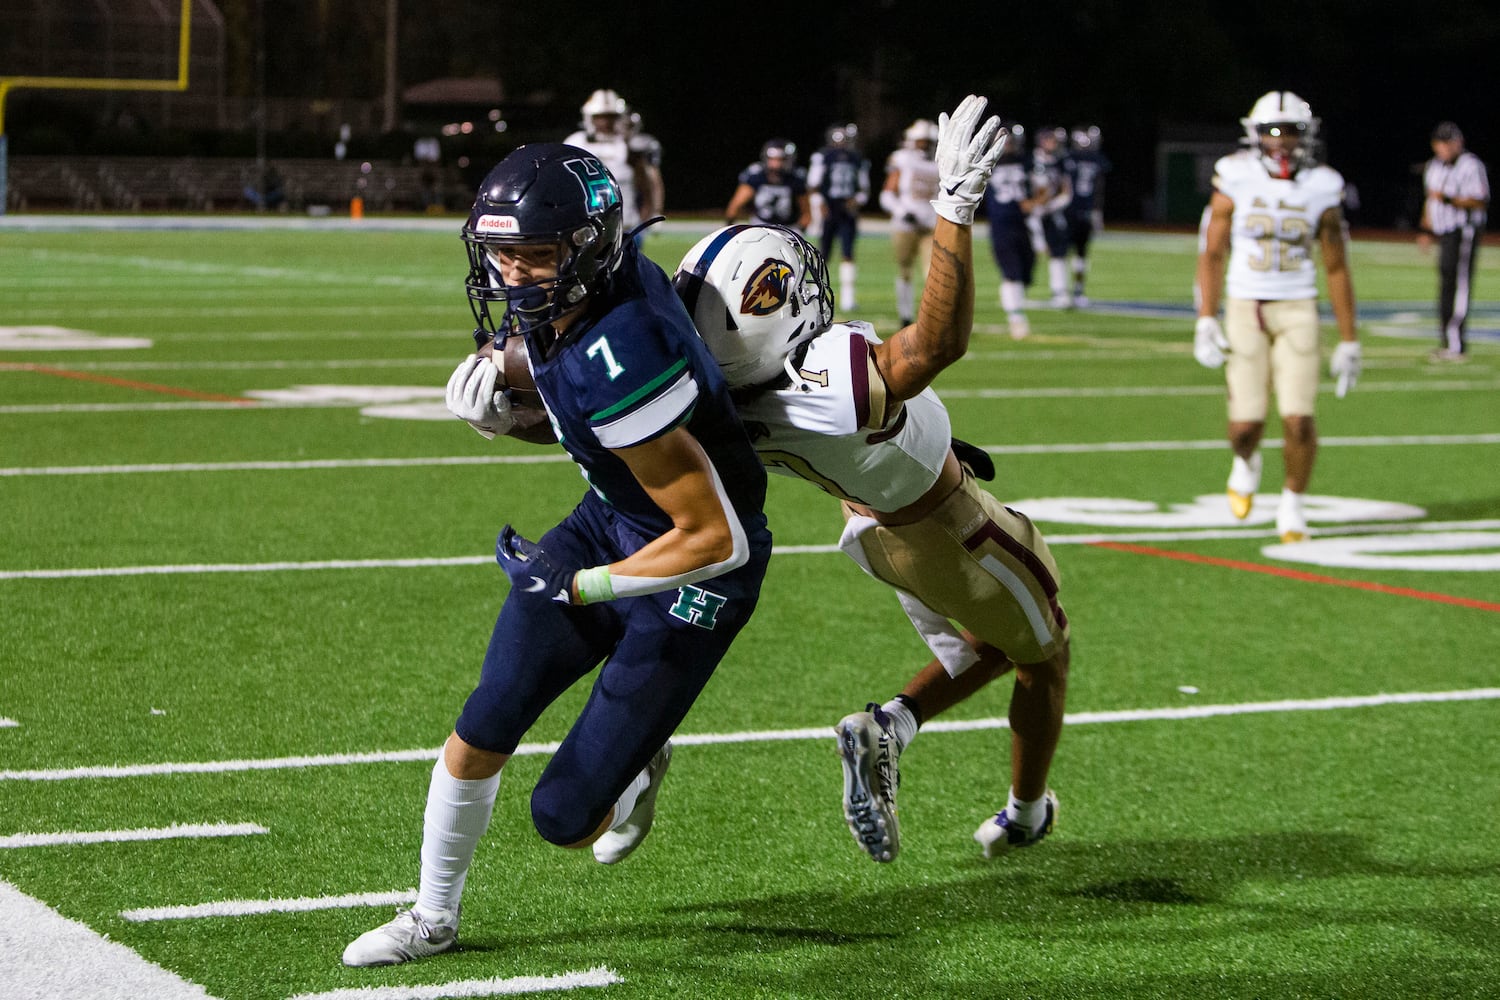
column 9, row 83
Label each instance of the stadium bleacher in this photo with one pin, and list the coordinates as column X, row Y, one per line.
column 201, row 184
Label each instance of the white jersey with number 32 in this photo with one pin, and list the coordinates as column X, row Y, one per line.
column 1275, row 226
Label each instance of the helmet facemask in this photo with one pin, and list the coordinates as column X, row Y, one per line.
column 531, row 305
column 1283, row 147
column 1282, row 130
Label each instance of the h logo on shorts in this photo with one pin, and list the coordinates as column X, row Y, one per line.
column 697, row 607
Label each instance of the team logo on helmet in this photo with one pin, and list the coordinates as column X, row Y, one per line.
column 597, row 183
column 768, row 288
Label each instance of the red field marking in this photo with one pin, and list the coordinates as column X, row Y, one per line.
column 1293, row 574
column 170, row 390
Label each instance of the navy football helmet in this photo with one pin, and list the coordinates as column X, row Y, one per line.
column 542, row 194
column 782, row 149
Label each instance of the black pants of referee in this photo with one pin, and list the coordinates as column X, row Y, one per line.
column 1457, row 251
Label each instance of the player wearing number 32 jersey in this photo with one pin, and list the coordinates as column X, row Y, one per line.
column 1272, row 202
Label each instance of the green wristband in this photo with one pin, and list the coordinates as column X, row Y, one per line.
column 593, row 585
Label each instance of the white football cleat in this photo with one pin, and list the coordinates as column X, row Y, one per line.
column 409, row 936
column 1000, row 834
column 1020, row 329
column 1244, row 480
column 871, row 755
column 617, row 844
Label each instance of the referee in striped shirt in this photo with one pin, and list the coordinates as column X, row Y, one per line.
column 1458, row 192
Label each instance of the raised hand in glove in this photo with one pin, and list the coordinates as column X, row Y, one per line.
column 471, row 396
column 965, row 159
column 1209, row 342
column 530, row 569
column 1345, row 365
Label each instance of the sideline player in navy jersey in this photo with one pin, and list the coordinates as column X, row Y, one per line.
column 1008, row 201
column 838, row 178
column 1086, row 166
column 1053, row 186
column 653, row 573
column 831, row 404
column 773, row 187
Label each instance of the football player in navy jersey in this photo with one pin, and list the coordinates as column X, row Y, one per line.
column 839, row 180
column 652, row 574
column 1008, row 202
column 831, row 404
column 1086, row 167
column 1053, row 187
column 773, row 188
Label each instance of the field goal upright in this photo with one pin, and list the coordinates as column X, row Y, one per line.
column 43, row 81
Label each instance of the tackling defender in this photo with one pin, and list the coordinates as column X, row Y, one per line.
column 831, row 404
column 653, row 573
column 1271, row 201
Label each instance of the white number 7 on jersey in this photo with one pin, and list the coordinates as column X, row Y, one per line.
column 600, row 348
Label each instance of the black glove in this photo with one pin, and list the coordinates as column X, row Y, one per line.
column 975, row 460
column 530, row 569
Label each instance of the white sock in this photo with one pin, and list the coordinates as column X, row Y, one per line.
column 1057, row 276
column 903, row 723
column 1244, row 476
column 1028, row 815
column 625, row 804
column 458, row 812
column 906, row 298
column 1290, row 513
column 1012, row 295
column 847, row 274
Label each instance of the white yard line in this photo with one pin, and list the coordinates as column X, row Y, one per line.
column 255, row 907
column 1039, row 392
column 1057, row 538
column 285, row 466
column 820, row 732
column 177, row 831
column 598, row 976
column 1081, row 448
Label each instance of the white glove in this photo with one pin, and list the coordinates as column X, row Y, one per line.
column 471, row 396
column 1345, row 364
column 965, row 159
column 1209, row 342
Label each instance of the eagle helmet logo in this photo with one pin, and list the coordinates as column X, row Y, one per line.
column 769, row 288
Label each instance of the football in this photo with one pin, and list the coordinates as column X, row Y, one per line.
column 515, row 372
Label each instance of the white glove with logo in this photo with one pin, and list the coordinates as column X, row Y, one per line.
column 471, row 396
column 1209, row 342
column 1345, row 364
column 965, row 159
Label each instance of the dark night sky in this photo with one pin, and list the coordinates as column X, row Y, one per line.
column 713, row 81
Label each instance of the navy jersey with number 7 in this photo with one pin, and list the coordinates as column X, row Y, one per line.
column 632, row 374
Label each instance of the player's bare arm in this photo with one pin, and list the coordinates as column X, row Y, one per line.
column 676, row 473
column 1215, row 252
column 966, row 154
column 1334, row 241
column 914, row 356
